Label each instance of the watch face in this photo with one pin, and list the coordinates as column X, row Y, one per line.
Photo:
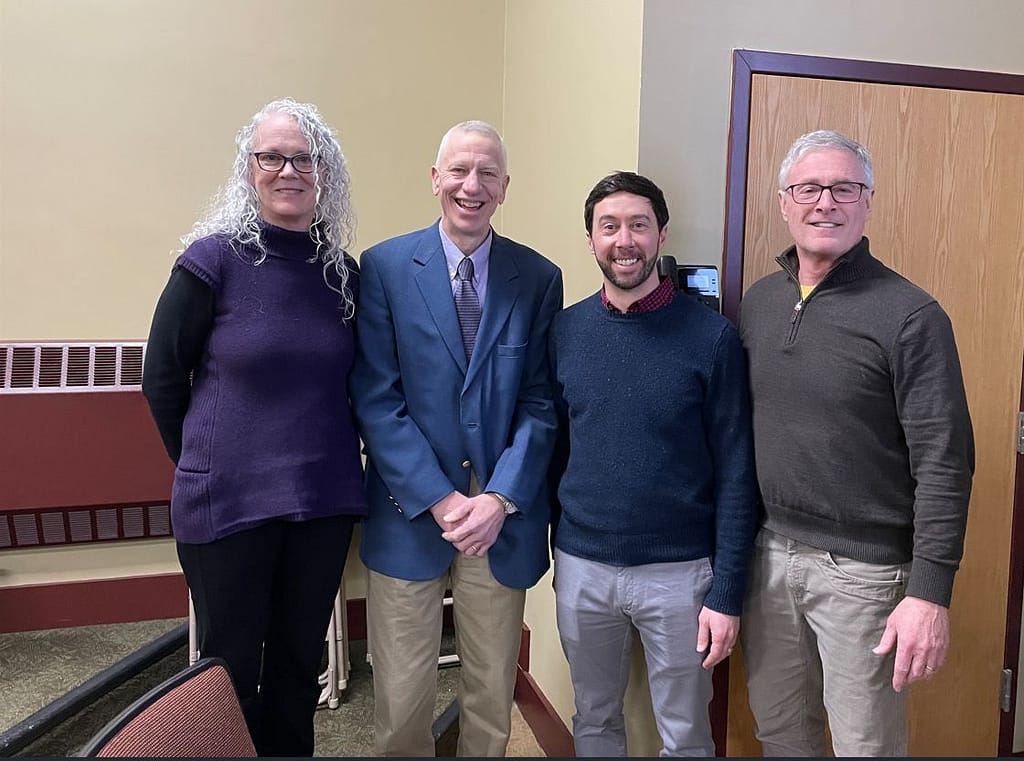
column 506, row 503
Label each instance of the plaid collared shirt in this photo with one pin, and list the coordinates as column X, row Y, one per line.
column 660, row 297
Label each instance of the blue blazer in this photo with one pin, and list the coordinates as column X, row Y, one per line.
column 427, row 418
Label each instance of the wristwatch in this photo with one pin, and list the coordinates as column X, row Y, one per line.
column 509, row 505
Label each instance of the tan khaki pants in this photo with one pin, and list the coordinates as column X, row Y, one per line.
column 404, row 620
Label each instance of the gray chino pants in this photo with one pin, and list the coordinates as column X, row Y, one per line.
column 597, row 606
column 810, row 621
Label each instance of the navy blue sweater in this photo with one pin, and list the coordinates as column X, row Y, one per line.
column 660, row 465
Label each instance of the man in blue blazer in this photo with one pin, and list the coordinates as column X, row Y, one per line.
column 452, row 390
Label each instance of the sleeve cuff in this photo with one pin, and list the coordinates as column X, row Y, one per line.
column 931, row 581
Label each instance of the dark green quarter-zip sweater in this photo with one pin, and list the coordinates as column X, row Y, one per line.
column 862, row 435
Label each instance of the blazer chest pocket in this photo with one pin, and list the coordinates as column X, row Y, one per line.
column 512, row 350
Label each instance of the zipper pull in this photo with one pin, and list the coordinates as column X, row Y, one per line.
column 796, row 311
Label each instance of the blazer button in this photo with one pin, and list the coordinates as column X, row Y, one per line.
column 466, row 464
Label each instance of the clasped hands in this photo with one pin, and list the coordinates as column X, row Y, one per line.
column 472, row 524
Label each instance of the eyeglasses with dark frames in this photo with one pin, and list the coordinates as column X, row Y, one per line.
column 842, row 192
column 271, row 161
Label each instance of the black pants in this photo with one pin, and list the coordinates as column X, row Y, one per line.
column 263, row 598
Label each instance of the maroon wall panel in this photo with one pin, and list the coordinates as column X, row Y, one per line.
column 84, row 603
column 71, row 449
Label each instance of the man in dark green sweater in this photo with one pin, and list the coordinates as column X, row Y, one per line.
column 658, row 497
column 865, row 456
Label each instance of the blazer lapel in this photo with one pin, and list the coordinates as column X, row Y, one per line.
column 502, row 293
column 435, row 287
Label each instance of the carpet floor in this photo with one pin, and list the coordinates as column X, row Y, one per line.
column 39, row 667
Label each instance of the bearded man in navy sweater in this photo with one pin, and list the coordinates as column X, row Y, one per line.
column 658, row 494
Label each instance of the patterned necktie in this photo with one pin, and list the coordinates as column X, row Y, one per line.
column 467, row 304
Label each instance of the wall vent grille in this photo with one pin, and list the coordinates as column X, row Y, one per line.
column 69, row 367
column 46, row 527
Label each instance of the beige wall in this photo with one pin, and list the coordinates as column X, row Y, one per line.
column 572, row 97
column 126, row 559
column 119, row 116
column 56, row 565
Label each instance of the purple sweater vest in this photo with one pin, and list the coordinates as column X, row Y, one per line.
column 269, row 434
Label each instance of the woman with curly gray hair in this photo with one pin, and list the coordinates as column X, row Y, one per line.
column 246, row 376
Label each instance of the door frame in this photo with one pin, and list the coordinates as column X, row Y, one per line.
column 747, row 63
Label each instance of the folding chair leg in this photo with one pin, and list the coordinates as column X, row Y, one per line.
column 335, row 678
column 193, row 643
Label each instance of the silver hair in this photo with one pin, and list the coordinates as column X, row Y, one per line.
column 826, row 138
column 481, row 128
column 234, row 210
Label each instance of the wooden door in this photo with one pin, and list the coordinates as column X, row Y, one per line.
column 948, row 213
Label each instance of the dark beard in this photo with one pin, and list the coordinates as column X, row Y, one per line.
column 615, row 279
